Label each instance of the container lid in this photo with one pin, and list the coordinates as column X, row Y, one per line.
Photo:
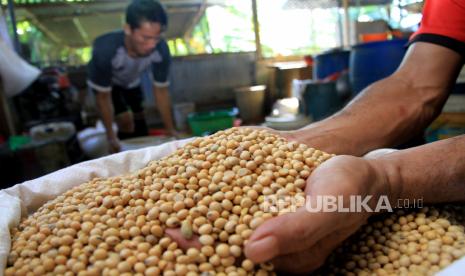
column 334, row 51
column 375, row 44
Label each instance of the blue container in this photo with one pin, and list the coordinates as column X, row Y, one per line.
column 329, row 63
column 321, row 100
column 370, row 62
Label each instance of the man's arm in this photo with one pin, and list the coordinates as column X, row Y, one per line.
column 100, row 80
column 163, row 102
column 105, row 106
column 392, row 110
column 434, row 172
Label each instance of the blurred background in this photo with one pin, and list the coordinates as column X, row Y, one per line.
column 277, row 63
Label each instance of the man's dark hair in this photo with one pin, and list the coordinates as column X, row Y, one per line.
column 146, row 10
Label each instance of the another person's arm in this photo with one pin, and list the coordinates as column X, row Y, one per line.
column 105, row 107
column 160, row 71
column 434, row 172
column 163, row 103
column 99, row 74
column 392, row 110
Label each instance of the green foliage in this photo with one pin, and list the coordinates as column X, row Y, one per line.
column 42, row 51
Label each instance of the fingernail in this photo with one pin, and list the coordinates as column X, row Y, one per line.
column 262, row 250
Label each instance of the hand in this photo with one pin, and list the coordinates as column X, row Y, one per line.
column 309, row 237
column 173, row 132
column 175, row 233
column 113, row 145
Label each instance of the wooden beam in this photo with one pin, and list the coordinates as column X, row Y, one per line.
column 86, row 4
column 182, row 10
column 11, row 11
column 81, row 30
column 30, row 16
column 195, row 20
column 256, row 27
column 71, row 17
column 116, row 11
column 67, row 4
column 346, row 32
column 6, row 120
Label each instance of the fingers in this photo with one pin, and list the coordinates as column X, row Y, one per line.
column 114, row 149
column 312, row 258
column 113, row 145
column 176, row 235
column 286, row 234
column 302, row 262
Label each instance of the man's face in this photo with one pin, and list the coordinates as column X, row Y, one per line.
column 144, row 39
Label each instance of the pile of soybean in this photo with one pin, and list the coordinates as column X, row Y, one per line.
column 415, row 241
column 214, row 188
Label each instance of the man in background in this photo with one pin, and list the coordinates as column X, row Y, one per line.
column 119, row 59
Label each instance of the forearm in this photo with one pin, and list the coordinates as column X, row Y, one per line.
column 383, row 116
column 163, row 100
column 106, row 112
column 434, row 172
column 392, row 110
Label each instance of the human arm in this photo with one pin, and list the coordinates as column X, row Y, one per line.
column 392, row 110
column 434, row 172
column 160, row 71
column 99, row 72
column 105, row 106
column 163, row 103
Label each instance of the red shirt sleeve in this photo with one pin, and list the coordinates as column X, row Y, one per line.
column 443, row 23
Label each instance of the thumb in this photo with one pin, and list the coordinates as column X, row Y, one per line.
column 287, row 234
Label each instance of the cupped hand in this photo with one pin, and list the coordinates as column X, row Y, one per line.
column 300, row 242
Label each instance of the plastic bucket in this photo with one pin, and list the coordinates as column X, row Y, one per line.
column 321, row 100
column 250, row 101
column 329, row 63
column 370, row 62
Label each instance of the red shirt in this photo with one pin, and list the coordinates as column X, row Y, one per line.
column 443, row 23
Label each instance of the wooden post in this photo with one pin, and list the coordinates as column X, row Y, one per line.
column 346, row 32
column 256, row 27
column 7, row 126
column 11, row 10
column 195, row 20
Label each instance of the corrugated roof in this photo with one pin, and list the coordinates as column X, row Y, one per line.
column 78, row 23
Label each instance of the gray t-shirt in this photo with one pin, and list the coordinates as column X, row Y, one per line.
column 111, row 65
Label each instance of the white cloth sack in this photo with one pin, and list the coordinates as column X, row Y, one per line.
column 25, row 198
